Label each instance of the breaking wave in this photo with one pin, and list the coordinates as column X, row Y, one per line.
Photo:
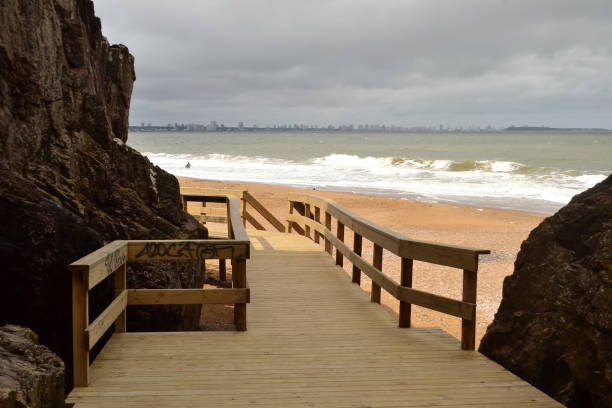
column 447, row 180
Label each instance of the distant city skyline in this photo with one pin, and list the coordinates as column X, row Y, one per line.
column 543, row 62
column 213, row 126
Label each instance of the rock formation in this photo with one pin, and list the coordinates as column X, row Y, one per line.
column 68, row 182
column 554, row 325
column 30, row 374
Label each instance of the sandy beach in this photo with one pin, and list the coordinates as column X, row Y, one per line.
column 500, row 231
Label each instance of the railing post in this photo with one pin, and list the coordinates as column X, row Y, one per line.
column 377, row 261
column 239, row 281
column 300, row 208
column 405, row 308
column 317, row 219
column 184, row 203
column 244, row 210
column 229, row 221
column 289, row 223
column 340, row 234
column 202, row 210
column 357, row 249
column 120, row 286
column 80, row 321
column 468, row 327
column 307, row 215
column 328, row 245
column 222, row 270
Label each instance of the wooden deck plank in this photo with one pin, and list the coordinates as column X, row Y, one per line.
column 313, row 340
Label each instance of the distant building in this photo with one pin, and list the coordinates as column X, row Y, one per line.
column 212, row 126
column 241, row 125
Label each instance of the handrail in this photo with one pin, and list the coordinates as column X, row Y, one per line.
column 407, row 249
column 441, row 254
column 235, row 225
column 112, row 259
column 205, row 194
column 212, row 192
column 102, row 262
column 253, row 202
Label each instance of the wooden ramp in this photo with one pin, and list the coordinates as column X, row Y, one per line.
column 314, row 339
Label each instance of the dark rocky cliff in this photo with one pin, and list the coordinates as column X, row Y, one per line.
column 554, row 325
column 68, row 182
column 31, row 376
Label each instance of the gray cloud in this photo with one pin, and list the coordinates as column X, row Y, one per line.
column 396, row 62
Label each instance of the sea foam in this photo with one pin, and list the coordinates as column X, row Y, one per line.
column 499, row 183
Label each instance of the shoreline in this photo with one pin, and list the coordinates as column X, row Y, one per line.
column 547, row 208
column 382, row 193
column 500, row 230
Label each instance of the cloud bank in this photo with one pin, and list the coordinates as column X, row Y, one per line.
column 395, row 62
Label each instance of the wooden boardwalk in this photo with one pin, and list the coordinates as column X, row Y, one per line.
column 314, row 339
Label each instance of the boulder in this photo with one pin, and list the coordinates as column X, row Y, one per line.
column 68, row 182
column 31, row 376
column 554, row 324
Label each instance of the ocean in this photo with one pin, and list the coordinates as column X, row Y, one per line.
column 532, row 171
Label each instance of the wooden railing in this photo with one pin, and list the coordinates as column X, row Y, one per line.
column 308, row 210
column 217, row 215
column 112, row 259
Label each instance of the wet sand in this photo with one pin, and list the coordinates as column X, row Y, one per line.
column 500, row 231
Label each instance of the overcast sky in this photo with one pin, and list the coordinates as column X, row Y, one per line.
column 394, row 62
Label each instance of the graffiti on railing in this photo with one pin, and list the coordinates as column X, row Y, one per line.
column 185, row 250
column 114, row 260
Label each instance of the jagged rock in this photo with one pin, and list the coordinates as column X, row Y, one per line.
column 68, row 182
column 31, row 376
column 554, row 325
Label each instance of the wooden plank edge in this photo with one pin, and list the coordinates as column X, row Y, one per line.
column 102, row 263
column 213, row 211
column 239, row 233
column 386, row 237
column 218, row 219
column 261, row 209
column 97, row 257
column 106, row 319
column 439, row 254
column 188, row 296
column 253, row 221
column 194, row 191
column 348, row 218
column 438, row 303
column 187, row 250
